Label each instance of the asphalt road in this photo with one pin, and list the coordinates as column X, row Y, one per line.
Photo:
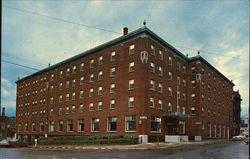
column 228, row 150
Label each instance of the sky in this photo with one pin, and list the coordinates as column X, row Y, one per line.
column 36, row 33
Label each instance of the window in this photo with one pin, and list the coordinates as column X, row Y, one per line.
column 81, row 94
column 80, row 125
column 112, row 88
column 91, row 106
column 178, row 66
column 99, row 106
column 170, row 107
column 81, row 66
column 160, row 71
column 73, row 108
column 81, row 108
column 131, row 66
column 26, row 127
column 51, row 100
column 67, row 97
column 33, row 127
column 193, row 70
column 112, row 56
column 183, row 110
column 160, row 87
column 41, row 126
column 81, row 80
column 178, row 109
column 152, row 67
column 170, row 76
column 52, row 77
column 151, row 102
column 179, row 80
column 181, row 127
column 131, row 49
column 100, row 61
column 91, row 77
column 155, row 124
column 51, row 111
column 74, row 70
column 99, row 91
column 60, row 111
column 73, row 83
column 112, row 104
column 67, row 84
column 152, row 85
column 100, row 75
column 60, row 86
column 70, row 125
column 95, row 124
column 193, row 83
column 68, row 70
column 184, row 69
column 112, row 122
column 61, row 74
column 152, row 50
column 193, row 96
column 112, row 72
column 60, row 126
column 130, row 123
column 131, row 102
column 193, row 111
column 73, row 96
column 160, row 56
column 67, row 110
column 91, row 92
column 91, row 64
column 178, row 95
column 170, row 62
column 184, row 82
column 51, row 126
column 131, row 84
column 51, row 89
column 184, row 96
column 170, row 91
column 160, row 104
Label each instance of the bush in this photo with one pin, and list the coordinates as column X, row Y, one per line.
column 93, row 139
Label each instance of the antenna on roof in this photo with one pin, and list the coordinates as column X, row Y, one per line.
column 144, row 23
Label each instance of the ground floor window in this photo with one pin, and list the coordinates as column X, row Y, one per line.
column 26, row 127
column 81, row 125
column 95, row 124
column 130, row 123
column 112, row 123
column 60, row 126
column 181, row 127
column 51, row 126
column 33, row 127
column 41, row 126
column 69, row 125
column 155, row 124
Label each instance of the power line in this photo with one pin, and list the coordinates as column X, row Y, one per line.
column 207, row 52
column 59, row 19
column 20, row 65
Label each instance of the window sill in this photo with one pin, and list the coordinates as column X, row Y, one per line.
column 130, row 131
column 112, row 131
column 155, row 132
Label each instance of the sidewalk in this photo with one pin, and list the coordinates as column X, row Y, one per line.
column 131, row 147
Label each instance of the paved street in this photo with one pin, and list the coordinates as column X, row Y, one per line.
column 226, row 150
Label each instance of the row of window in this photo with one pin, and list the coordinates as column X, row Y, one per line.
column 130, row 125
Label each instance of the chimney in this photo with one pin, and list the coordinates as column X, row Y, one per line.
column 3, row 112
column 125, row 31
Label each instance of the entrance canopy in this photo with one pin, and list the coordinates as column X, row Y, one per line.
column 175, row 114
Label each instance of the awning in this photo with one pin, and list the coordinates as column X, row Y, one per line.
column 175, row 114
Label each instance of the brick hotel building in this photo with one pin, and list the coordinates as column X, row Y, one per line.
column 136, row 84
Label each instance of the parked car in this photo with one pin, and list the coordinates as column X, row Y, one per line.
column 238, row 138
column 4, row 142
column 246, row 140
